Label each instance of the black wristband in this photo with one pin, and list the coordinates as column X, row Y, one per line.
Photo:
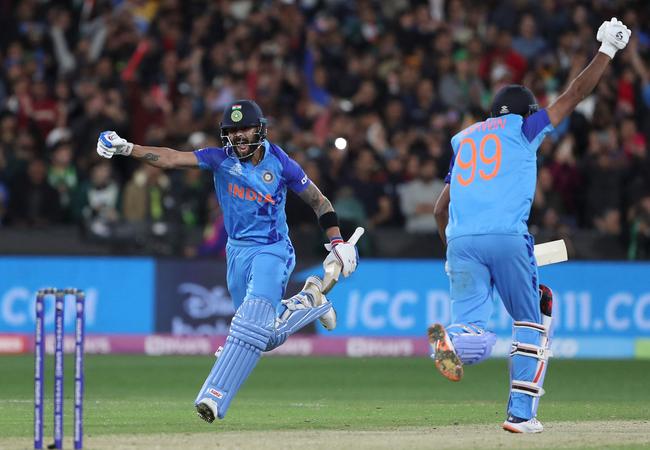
column 328, row 220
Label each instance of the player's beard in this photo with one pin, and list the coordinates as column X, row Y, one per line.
column 244, row 149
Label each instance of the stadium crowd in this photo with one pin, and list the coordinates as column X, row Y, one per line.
column 396, row 79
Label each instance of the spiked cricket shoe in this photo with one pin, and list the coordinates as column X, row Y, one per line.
column 314, row 286
column 207, row 409
column 516, row 425
column 447, row 361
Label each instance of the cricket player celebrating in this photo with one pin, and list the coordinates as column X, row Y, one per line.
column 251, row 177
column 483, row 211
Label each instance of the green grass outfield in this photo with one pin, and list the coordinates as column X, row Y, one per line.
column 149, row 395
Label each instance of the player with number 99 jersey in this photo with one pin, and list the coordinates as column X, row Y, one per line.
column 493, row 174
column 484, row 212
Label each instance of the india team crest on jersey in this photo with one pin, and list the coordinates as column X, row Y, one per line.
column 236, row 114
column 267, row 176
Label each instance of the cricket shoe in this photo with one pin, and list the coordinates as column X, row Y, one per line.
column 207, row 409
column 517, row 425
column 447, row 361
column 313, row 287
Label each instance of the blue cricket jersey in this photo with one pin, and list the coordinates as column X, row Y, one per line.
column 252, row 197
column 493, row 173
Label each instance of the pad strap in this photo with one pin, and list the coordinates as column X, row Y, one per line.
column 527, row 387
column 531, row 326
column 530, row 350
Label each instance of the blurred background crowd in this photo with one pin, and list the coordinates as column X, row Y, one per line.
column 396, row 79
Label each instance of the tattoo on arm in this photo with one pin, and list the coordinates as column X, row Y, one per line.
column 314, row 198
column 151, row 157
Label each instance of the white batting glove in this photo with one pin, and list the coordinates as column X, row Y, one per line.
column 345, row 254
column 614, row 36
column 110, row 143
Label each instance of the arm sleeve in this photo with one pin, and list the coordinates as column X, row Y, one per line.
column 210, row 158
column 293, row 175
column 536, row 127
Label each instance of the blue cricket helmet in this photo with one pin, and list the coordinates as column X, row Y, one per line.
column 243, row 114
column 514, row 99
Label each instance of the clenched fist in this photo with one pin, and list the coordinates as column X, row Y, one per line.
column 110, row 143
column 614, row 36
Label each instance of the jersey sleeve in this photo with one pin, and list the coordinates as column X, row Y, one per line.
column 454, row 140
column 210, row 158
column 294, row 177
column 535, row 128
column 451, row 166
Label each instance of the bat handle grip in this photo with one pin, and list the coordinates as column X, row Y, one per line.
column 356, row 235
column 334, row 270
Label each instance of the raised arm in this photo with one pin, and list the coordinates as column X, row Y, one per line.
column 614, row 36
column 109, row 144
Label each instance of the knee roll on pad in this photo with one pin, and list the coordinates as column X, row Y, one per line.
column 472, row 344
column 254, row 323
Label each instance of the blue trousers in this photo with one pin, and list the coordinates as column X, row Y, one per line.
column 257, row 278
column 259, row 271
column 479, row 264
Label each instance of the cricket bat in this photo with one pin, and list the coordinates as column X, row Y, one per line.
column 550, row 253
column 333, row 269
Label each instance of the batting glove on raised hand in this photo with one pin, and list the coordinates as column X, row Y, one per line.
column 614, row 36
column 110, row 143
column 345, row 253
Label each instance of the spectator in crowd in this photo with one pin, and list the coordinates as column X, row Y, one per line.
column 62, row 176
column 33, row 202
column 603, row 174
column 416, row 198
column 395, row 79
column 639, row 247
column 566, row 178
column 147, row 196
column 214, row 235
column 463, row 88
column 528, row 43
column 152, row 211
column 99, row 200
column 377, row 206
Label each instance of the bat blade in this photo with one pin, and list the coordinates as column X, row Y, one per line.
column 551, row 253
